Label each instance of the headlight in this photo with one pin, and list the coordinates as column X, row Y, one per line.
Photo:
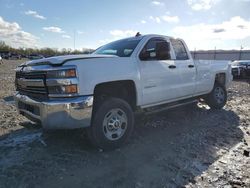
column 70, row 89
column 67, row 73
column 62, row 82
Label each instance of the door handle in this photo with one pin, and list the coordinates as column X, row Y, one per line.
column 190, row 66
column 172, row 66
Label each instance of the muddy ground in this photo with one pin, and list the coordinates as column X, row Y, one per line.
column 190, row 146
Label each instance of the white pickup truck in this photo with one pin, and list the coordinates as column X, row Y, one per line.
column 101, row 91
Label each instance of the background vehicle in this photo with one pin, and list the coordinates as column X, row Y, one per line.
column 102, row 91
column 241, row 68
column 15, row 56
column 5, row 55
column 35, row 56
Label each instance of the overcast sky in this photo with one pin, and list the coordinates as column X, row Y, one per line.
column 203, row 24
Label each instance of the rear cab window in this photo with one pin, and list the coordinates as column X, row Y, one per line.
column 179, row 49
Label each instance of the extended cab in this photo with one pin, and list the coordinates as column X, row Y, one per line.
column 101, row 91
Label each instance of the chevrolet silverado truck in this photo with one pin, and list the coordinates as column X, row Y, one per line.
column 102, row 91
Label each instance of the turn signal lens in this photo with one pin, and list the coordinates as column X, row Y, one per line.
column 70, row 73
column 70, row 89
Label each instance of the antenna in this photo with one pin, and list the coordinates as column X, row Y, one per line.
column 138, row 34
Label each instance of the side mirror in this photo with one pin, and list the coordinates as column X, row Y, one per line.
column 144, row 55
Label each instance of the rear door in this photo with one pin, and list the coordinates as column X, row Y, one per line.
column 186, row 68
column 159, row 74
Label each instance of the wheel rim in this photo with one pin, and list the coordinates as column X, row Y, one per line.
column 115, row 124
column 219, row 95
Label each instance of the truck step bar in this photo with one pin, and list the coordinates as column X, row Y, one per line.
column 167, row 106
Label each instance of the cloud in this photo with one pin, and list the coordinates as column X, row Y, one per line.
column 198, row 5
column 226, row 30
column 80, row 32
column 117, row 34
column 157, row 3
column 34, row 14
column 143, row 22
column 219, row 30
column 155, row 19
column 235, row 28
column 122, row 33
column 165, row 18
column 53, row 29
column 171, row 19
column 12, row 34
column 66, row 36
column 241, row 26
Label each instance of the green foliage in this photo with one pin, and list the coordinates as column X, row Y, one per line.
column 4, row 47
column 47, row 52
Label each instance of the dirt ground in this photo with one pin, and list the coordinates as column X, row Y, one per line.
column 190, row 146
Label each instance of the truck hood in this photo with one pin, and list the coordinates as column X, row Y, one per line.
column 60, row 60
column 235, row 66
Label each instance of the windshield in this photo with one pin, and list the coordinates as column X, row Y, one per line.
column 121, row 48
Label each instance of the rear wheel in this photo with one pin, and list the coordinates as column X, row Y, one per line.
column 217, row 98
column 112, row 124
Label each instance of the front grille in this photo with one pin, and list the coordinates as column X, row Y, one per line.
column 31, row 75
column 32, row 84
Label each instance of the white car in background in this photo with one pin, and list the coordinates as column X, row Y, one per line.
column 241, row 68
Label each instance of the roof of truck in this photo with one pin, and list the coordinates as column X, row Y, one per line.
column 144, row 36
column 148, row 36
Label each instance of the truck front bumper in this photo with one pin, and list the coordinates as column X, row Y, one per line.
column 66, row 113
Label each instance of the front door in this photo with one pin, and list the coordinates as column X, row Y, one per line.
column 159, row 74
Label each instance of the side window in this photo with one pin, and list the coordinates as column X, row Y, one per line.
column 155, row 49
column 179, row 49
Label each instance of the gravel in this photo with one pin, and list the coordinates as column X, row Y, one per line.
column 190, row 146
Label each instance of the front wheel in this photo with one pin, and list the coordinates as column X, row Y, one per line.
column 112, row 124
column 217, row 98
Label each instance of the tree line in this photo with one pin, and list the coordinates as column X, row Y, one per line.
column 46, row 52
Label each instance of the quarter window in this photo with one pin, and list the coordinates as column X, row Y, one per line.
column 179, row 49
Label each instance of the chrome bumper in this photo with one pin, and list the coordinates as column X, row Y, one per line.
column 66, row 113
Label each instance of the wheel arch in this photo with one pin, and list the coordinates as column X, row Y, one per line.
column 124, row 89
column 220, row 78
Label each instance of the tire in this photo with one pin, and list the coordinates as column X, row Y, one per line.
column 112, row 124
column 217, row 98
